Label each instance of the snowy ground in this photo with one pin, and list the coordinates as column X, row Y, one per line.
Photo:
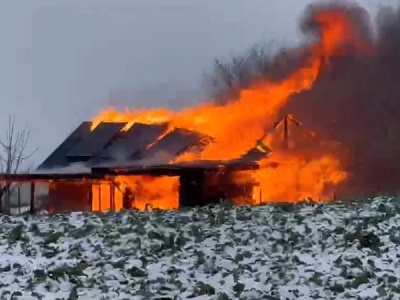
column 332, row 251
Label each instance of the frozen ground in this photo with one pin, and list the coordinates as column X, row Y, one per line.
column 332, row 251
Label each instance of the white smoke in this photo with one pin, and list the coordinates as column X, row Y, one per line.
column 75, row 168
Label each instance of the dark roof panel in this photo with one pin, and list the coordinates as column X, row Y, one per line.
column 142, row 146
column 59, row 156
column 133, row 141
column 171, row 145
column 96, row 140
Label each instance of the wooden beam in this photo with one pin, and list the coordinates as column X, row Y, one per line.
column 19, row 198
column 32, row 202
column 50, row 177
column 176, row 169
column 104, row 173
column 90, row 198
column 112, row 194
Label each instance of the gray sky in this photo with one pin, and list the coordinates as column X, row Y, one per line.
column 62, row 60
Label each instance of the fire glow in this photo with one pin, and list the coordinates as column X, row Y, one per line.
column 236, row 127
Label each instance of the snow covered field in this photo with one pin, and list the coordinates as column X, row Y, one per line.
column 331, row 251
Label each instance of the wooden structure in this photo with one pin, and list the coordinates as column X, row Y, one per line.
column 89, row 157
column 200, row 183
column 84, row 167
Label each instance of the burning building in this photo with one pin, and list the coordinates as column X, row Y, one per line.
column 200, row 154
column 117, row 165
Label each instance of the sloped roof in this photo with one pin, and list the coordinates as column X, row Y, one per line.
column 109, row 143
column 93, row 143
column 142, row 145
column 59, row 158
column 132, row 143
column 171, row 145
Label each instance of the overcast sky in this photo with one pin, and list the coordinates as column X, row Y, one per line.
column 61, row 61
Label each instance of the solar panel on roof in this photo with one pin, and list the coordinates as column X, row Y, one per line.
column 59, row 156
column 96, row 140
column 134, row 140
column 171, row 145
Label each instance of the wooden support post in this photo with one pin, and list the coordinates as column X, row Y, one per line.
column 32, row 204
column 112, row 199
column 100, row 197
column 90, row 196
column 19, row 198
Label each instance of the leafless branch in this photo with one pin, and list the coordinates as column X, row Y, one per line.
column 13, row 153
column 227, row 77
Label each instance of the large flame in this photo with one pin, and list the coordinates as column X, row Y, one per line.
column 239, row 124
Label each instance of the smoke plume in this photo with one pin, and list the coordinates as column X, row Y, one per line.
column 356, row 99
column 341, row 83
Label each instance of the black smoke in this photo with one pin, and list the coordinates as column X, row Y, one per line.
column 356, row 100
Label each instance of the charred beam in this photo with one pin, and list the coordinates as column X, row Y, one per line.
column 50, row 177
column 177, row 169
column 32, row 202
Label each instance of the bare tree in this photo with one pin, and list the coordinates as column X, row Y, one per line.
column 13, row 155
column 229, row 76
column 263, row 60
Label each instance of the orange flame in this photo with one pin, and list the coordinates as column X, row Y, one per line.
column 238, row 125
